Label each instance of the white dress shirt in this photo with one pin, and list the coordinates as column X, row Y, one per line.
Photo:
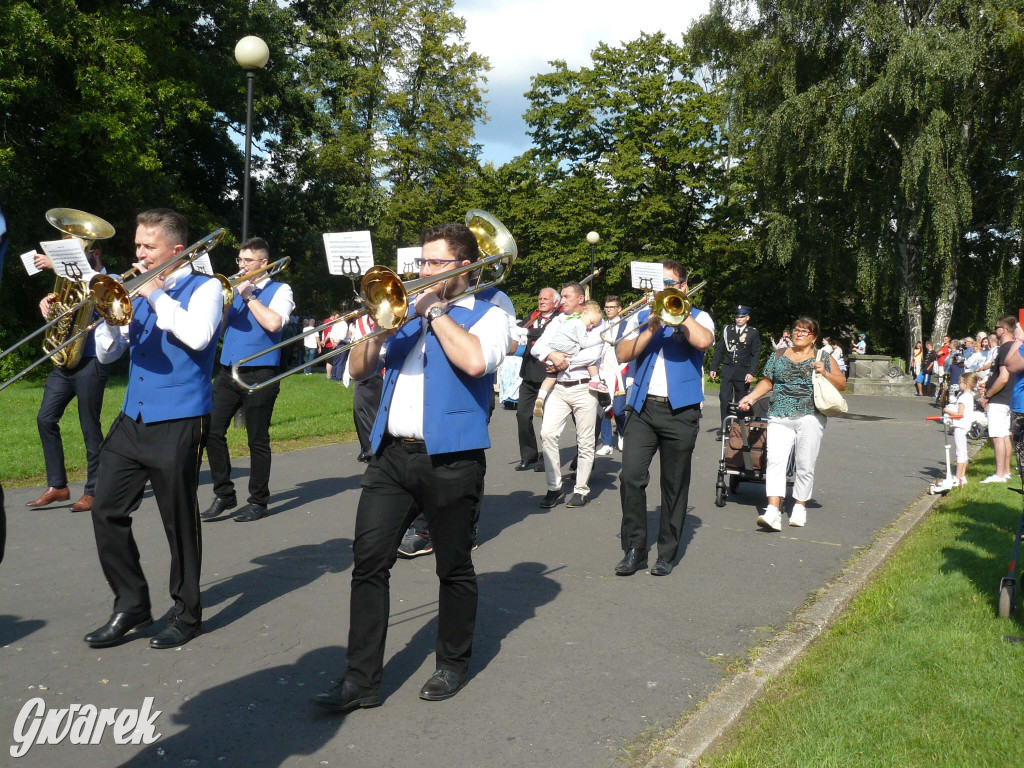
column 195, row 326
column 405, row 418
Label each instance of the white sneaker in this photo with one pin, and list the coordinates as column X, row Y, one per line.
column 604, row 450
column 798, row 516
column 771, row 519
column 995, row 479
column 620, row 443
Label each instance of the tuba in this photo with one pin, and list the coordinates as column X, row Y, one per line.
column 71, row 291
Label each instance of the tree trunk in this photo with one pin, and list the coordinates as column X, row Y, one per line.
column 910, row 262
column 946, row 301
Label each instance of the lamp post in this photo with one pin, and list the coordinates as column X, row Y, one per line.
column 592, row 238
column 251, row 53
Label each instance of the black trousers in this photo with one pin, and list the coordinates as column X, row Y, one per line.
column 524, row 417
column 673, row 434
column 3, row 525
column 365, row 402
column 86, row 381
column 733, row 388
column 400, row 482
column 258, row 408
column 167, row 454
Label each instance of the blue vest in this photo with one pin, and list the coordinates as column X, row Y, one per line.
column 167, row 380
column 683, row 368
column 244, row 336
column 455, row 405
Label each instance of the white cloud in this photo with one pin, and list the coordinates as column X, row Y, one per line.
column 521, row 36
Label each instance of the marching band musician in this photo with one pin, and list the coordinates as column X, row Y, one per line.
column 254, row 321
column 664, row 415
column 87, row 381
column 737, row 354
column 428, row 443
column 159, row 434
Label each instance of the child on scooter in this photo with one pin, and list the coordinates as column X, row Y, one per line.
column 963, row 407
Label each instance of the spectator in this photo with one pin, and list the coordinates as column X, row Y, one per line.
column 861, row 347
column 784, row 343
column 963, row 410
column 916, row 357
column 924, row 378
column 997, row 401
column 309, row 342
column 794, row 425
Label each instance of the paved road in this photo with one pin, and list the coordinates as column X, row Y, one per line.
column 570, row 662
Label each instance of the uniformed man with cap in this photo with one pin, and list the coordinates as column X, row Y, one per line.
column 737, row 354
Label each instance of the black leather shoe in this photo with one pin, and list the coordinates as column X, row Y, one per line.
column 539, row 467
column 576, row 500
column 218, row 508
column 174, row 634
column 661, row 567
column 524, row 465
column 635, row 560
column 251, row 513
column 119, row 625
column 346, row 696
column 551, row 498
column 443, row 684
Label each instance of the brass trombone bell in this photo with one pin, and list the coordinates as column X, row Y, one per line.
column 671, row 306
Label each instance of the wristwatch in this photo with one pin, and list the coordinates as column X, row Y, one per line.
column 436, row 311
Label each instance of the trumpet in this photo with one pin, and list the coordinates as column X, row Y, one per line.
column 671, row 306
column 387, row 299
column 112, row 298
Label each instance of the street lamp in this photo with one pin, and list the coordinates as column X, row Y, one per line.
column 592, row 238
column 251, row 53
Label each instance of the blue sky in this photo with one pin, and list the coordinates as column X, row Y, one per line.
column 521, row 36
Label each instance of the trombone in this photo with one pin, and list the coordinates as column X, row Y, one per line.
column 387, row 299
column 112, row 297
column 671, row 306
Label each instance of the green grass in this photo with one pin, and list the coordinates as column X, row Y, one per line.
column 916, row 671
column 311, row 410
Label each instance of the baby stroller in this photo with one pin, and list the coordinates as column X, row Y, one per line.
column 744, row 451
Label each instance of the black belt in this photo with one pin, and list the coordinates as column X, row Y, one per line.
column 658, row 399
column 573, row 383
column 410, row 444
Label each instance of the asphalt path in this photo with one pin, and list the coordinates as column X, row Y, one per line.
column 571, row 664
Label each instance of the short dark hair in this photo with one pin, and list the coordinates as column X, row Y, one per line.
column 808, row 323
column 676, row 267
column 174, row 225
column 256, row 244
column 459, row 238
column 612, row 298
column 576, row 287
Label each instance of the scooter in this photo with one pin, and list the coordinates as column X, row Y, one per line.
column 949, row 482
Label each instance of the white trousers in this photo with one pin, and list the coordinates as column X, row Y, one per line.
column 562, row 402
column 786, row 434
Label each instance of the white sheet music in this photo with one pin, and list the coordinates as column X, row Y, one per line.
column 203, row 265
column 646, row 276
column 28, row 259
column 408, row 259
column 348, row 253
column 68, row 259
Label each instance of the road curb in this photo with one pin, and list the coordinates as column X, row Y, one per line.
column 726, row 705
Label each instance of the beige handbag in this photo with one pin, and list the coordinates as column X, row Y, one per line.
column 827, row 399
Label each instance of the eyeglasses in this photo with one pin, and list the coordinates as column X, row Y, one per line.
column 433, row 263
column 802, row 332
column 613, row 306
column 248, row 261
column 669, row 282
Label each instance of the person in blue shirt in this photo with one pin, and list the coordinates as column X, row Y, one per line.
column 428, row 445
column 159, row 435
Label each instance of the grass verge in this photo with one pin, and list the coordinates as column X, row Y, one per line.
column 916, row 671
column 311, row 410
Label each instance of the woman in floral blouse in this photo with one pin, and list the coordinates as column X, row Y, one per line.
column 793, row 422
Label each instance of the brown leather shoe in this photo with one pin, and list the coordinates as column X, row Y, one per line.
column 49, row 496
column 84, row 504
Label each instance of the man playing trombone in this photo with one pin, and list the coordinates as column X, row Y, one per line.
column 161, row 430
column 428, row 446
column 254, row 321
column 663, row 414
